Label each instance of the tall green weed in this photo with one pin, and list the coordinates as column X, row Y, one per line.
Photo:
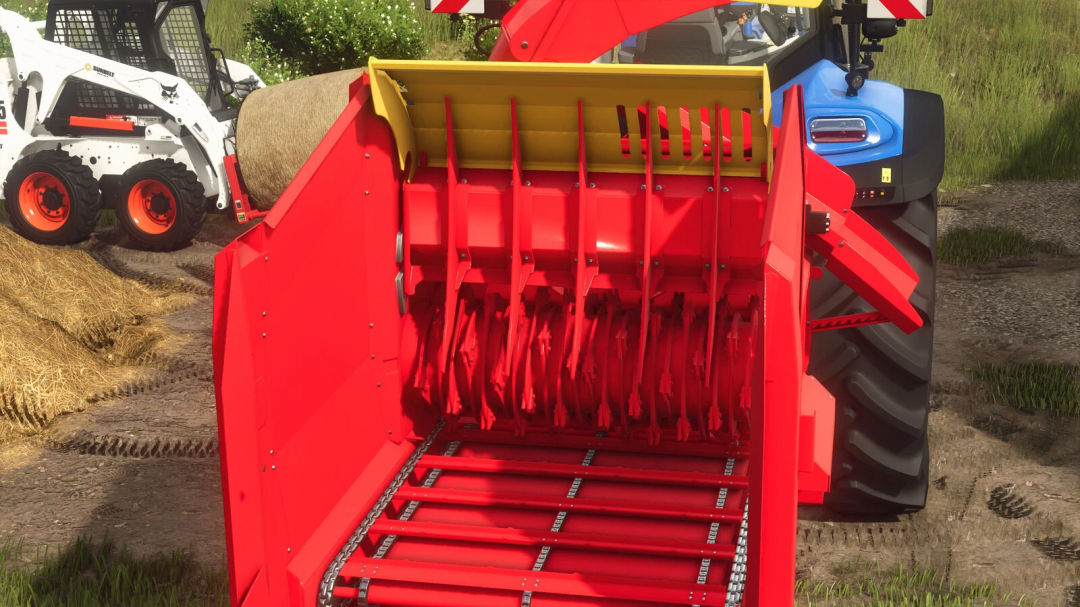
column 305, row 37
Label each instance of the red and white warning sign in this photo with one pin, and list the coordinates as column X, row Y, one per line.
column 475, row 7
column 897, row 9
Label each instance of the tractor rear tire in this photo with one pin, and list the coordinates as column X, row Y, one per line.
column 52, row 198
column 161, row 204
column 880, row 377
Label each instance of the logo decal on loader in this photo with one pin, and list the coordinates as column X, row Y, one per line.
column 886, row 175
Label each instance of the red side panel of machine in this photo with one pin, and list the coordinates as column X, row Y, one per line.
column 305, row 356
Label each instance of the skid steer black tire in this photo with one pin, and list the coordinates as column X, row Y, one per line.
column 71, row 184
column 175, row 204
column 880, row 377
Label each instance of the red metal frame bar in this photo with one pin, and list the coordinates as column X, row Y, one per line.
column 747, row 135
column 240, row 201
column 713, row 269
column 458, row 261
column 450, row 308
column 516, row 282
column 849, row 321
column 617, row 443
column 587, row 265
column 406, row 594
column 108, row 124
column 526, row 501
column 542, row 582
column 559, row 278
column 646, row 268
column 606, row 473
column 528, row 537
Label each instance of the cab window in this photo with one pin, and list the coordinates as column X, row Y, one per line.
column 740, row 33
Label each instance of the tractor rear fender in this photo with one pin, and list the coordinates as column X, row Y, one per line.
column 578, row 31
column 903, row 159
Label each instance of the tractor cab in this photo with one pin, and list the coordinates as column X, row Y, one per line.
column 155, row 35
column 740, row 33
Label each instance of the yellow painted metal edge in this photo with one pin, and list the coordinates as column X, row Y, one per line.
column 386, row 94
column 391, row 105
column 797, row 3
column 564, row 68
column 766, row 105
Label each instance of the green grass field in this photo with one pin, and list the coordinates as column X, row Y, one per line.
column 1009, row 71
column 89, row 574
column 1040, row 386
column 866, row 583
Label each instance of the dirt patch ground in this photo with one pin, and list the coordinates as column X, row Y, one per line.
column 1004, row 507
column 140, row 462
column 990, row 462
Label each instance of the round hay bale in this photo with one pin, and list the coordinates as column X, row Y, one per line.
column 279, row 127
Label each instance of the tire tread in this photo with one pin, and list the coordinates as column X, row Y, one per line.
column 880, row 377
column 189, row 194
column 86, row 197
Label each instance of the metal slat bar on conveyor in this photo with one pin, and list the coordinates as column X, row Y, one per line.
column 527, row 501
column 548, row 539
column 526, row 597
column 714, row 529
column 606, row 444
column 606, row 473
column 565, row 584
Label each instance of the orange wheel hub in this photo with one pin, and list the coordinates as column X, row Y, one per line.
column 151, row 206
column 44, row 202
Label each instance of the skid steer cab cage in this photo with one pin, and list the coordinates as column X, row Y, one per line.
column 524, row 334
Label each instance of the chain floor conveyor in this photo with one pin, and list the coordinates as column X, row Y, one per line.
column 485, row 519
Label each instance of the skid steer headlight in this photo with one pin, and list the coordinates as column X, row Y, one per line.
column 838, row 130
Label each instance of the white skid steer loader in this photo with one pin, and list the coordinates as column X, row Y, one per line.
column 122, row 105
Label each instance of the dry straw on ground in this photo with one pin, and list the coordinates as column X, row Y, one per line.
column 69, row 328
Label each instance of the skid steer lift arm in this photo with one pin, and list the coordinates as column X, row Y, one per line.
column 578, row 31
column 554, row 354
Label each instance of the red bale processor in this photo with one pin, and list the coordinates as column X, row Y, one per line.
column 537, row 335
